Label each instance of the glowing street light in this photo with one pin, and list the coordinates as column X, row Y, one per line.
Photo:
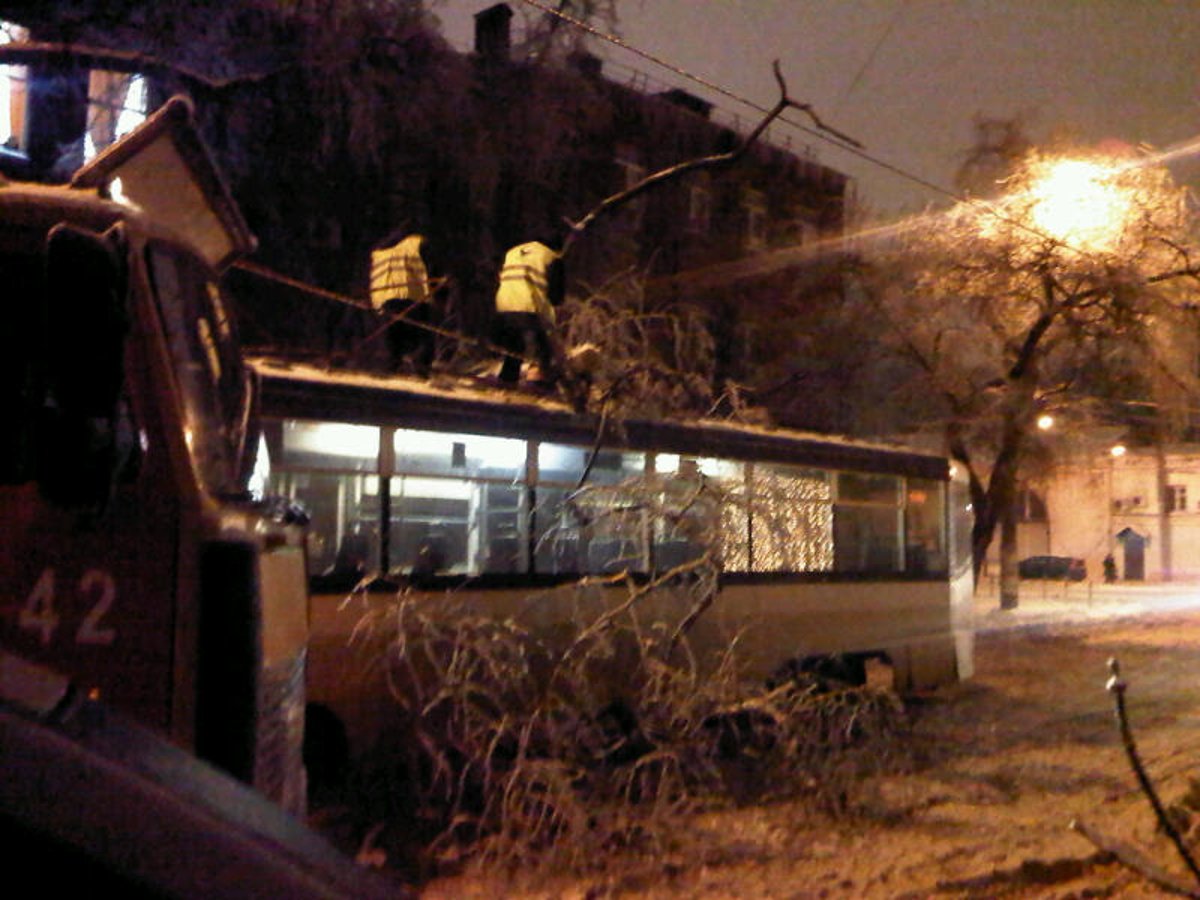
column 1045, row 422
column 1117, row 451
column 1079, row 202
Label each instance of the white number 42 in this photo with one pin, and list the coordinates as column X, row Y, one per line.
column 39, row 614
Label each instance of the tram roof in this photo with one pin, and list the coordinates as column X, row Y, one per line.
column 304, row 391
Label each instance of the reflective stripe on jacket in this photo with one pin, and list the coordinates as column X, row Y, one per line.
column 398, row 273
column 524, row 280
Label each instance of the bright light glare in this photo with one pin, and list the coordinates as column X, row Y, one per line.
column 1078, row 203
column 261, row 476
column 1118, row 450
column 1045, row 422
column 332, row 438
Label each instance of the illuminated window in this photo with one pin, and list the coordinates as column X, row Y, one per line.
column 463, row 455
column 117, row 104
column 597, row 529
column 343, row 532
column 330, row 445
column 459, row 504
column 791, row 519
column 703, row 507
column 13, row 82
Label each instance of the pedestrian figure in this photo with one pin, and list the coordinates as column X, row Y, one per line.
column 401, row 289
column 532, row 284
column 1110, row 569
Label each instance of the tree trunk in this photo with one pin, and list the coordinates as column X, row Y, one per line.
column 1010, row 579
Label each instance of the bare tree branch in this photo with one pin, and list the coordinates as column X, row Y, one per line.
column 1116, row 686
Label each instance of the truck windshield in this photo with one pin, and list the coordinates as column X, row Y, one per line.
column 209, row 370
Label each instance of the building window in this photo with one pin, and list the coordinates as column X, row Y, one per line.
column 632, row 173
column 13, row 80
column 1176, row 498
column 117, row 104
column 755, row 205
column 699, row 208
column 1030, row 507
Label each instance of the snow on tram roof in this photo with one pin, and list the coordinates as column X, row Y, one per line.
column 304, row 390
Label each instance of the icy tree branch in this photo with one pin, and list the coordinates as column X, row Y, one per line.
column 1116, row 686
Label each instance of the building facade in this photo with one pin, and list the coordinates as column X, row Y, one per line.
column 1142, row 506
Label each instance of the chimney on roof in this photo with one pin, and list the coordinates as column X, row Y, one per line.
column 688, row 101
column 587, row 64
column 492, row 32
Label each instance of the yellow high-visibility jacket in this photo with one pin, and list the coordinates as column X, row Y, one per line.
column 524, row 280
column 399, row 273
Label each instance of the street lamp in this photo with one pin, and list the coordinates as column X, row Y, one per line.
column 1045, row 422
column 1079, row 202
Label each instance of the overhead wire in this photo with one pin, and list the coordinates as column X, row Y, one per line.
column 879, row 42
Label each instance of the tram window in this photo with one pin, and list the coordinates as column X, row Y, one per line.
column 596, row 529
column 503, row 518
column 459, row 455
column 791, row 518
column 857, row 488
column 924, row 527
column 430, row 531
column 566, row 464
column 866, row 523
column 330, row 445
column 866, row 539
column 450, row 526
column 343, row 532
column 588, row 532
column 670, row 463
column 704, row 507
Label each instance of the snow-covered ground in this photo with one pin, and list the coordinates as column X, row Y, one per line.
column 1043, row 602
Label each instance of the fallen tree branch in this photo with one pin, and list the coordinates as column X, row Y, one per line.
column 1117, row 687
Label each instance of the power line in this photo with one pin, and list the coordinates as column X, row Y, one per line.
column 862, row 70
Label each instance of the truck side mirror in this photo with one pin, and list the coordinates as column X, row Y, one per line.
column 86, row 310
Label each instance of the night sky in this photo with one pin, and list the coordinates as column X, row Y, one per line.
column 906, row 77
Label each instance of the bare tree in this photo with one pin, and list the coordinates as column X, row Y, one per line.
column 1074, row 284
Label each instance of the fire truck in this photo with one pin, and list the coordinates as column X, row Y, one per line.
column 135, row 562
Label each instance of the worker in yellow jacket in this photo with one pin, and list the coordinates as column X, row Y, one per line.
column 532, row 284
column 402, row 288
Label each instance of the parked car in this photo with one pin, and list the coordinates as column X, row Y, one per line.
column 1061, row 568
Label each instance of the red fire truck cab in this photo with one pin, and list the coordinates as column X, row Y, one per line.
column 133, row 557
